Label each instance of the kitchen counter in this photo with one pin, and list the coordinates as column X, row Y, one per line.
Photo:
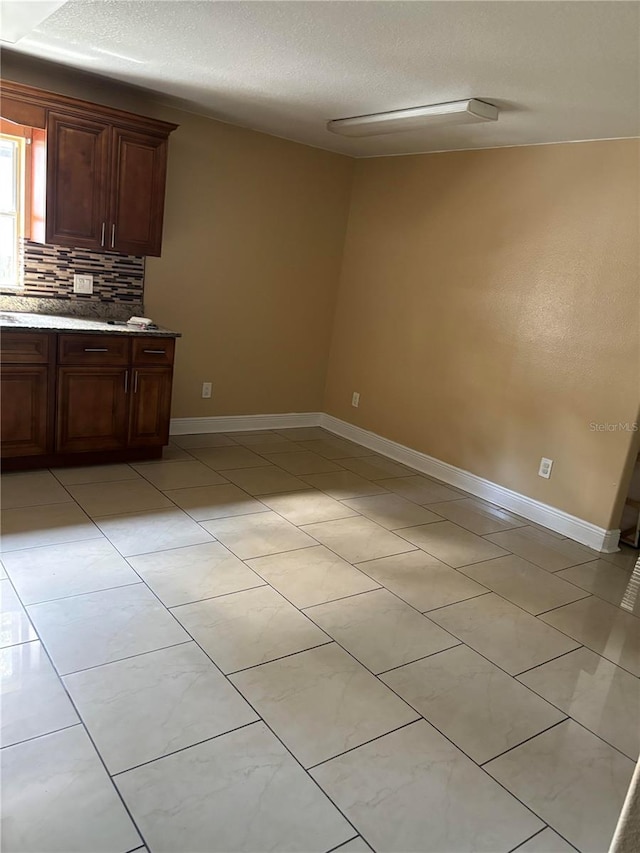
column 18, row 320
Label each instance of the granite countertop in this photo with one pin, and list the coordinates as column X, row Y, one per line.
column 17, row 320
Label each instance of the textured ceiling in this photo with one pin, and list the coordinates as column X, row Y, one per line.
column 558, row 70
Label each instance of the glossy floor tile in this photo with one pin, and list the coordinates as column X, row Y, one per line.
column 248, row 628
column 31, row 488
column 58, row 571
column 392, row 511
column 99, row 627
column 208, row 502
column 239, row 792
column 380, row 630
column 144, row 532
column 180, row 474
column 258, row 535
column 15, row 625
column 343, row 485
column 476, row 515
column 422, row 490
column 156, row 703
column 413, row 791
column 57, row 796
column 596, row 693
column 32, row 698
column 543, row 549
column 421, row 580
column 524, row 584
column 306, row 507
column 265, row 480
column 503, row 633
column 30, row 527
column 452, row 544
column 603, row 628
column 115, row 498
column 357, row 539
column 322, row 702
column 479, row 707
column 311, row 576
column 572, row 779
column 605, row 580
column 356, row 623
column 183, row 575
column 302, row 462
column 95, row 474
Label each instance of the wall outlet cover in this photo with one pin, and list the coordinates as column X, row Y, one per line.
column 82, row 283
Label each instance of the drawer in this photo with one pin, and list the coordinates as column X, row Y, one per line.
column 93, row 349
column 153, row 351
column 25, row 347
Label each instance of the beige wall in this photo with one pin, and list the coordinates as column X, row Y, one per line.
column 253, row 236
column 488, row 313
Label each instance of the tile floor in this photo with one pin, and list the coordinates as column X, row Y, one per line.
column 280, row 641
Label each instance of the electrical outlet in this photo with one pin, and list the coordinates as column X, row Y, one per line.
column 545, row 468
column 355, row 399
column 206, row 390
column 82, row 283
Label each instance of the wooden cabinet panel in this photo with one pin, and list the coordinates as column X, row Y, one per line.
column 93, row 349
column 24, row 347
column 92, row 408
column 24, row 410
column 138, row 171
column 150, row 406
column 77, row 181
column 150, row 351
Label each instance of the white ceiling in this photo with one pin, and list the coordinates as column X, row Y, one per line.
column 558, row 70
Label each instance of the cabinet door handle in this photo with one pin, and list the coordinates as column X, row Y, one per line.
column 113, row 235
column 104, row 224
column 135, row 382
column 154, row 351
column 96, row 349
column 126, row 382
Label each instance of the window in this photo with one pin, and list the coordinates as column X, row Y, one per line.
column 11, row 208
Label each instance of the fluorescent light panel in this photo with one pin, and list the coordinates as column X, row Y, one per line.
column 415, row 118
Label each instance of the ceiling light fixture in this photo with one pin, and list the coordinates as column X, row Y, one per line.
column 415, row 118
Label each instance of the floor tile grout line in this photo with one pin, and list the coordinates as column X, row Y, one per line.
column 548, row 826
column 342, row 844
column 42, row 734
column 183, row 748
column 77, row 594
column 462, row 601
column 559, row 606
column 351, row 749
column 526, row 740
column 119, row 660
column 417, row 660
column 328, row 642
column 544, row 663
column 211, row 597
column 535, row 834
column 306, row 607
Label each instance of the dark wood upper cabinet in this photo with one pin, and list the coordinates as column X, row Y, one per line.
column 138, row 168
column 105, row 171
column 77, row 181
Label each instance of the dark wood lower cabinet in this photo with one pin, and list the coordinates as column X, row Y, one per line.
column 24, row 410
column 92, row 407
column 150, row 406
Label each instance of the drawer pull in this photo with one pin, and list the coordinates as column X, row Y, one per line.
column 96, row 349
column 154, row 351
column 135, row 382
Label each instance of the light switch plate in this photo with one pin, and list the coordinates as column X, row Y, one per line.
column 82, row 283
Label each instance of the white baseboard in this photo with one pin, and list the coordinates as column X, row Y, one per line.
column 242, row 423
column 595, row 537
column 562, row 522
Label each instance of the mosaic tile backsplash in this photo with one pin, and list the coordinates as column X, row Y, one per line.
column 48, row 273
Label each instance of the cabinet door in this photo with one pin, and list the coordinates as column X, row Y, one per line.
column 92, row 408
column 77, row 181
column 24, row 409
column 150, row 406
column 138, row 169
